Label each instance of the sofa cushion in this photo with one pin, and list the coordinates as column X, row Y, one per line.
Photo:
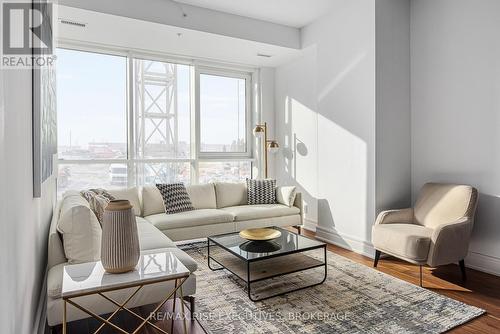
column 202, row 196
column 189, row 218
column 230, row 194
column 150, row 237
column 408, row 241
column 130, row 194
column 259, row 211
column 80, row 229
column 152, row 202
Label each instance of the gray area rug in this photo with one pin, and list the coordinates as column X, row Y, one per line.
column 353, row 299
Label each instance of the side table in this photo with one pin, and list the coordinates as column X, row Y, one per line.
column 91, row 279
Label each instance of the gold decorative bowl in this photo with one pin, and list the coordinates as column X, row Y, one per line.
column 259, row 234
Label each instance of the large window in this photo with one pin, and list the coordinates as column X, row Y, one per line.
column 223, row 107
column 125, row 121
column 162, row 109
column 92, row 105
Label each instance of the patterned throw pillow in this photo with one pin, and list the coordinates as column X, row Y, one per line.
column 98, row 201
column 261, row 191
column 175, row 197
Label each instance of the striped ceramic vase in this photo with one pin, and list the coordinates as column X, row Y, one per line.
column 119, row 243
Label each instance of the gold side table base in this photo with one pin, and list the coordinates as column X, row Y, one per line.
column 121, row 306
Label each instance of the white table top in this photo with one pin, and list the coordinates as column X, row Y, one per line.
column 85, row 278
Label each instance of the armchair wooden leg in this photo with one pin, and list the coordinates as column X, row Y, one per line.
column 461, row 263
column 377, row 257
column 421, row 281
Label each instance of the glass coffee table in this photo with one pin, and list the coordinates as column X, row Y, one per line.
column 255, row 261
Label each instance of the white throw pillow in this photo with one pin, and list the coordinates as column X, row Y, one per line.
column 152, row 201
column 286, row 195
column 80, row 229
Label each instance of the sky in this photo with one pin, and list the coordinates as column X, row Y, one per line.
column 92, row 94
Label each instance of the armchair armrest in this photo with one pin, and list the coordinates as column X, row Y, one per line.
column 401, row 216
column 450, row 242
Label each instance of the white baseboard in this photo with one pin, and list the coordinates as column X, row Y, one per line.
column 310, row 225
column 345, row 241
column 484, row 263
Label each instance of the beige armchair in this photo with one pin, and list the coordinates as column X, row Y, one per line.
column 435, row 232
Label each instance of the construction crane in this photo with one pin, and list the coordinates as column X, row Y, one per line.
column 156, row 117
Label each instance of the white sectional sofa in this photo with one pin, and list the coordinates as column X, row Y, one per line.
column 219, row 208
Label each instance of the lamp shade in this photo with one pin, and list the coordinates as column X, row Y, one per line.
column 273, row 146
column 259, row 131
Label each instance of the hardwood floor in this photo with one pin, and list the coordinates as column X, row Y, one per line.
column 480, row 289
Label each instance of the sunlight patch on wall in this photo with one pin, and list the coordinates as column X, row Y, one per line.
column 342, row 175
column 341, row 75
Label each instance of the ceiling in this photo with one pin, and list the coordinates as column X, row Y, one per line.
column 293, row 13
column 111, row 31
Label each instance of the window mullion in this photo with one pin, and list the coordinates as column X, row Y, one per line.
column 131, row 154
column 195, row 124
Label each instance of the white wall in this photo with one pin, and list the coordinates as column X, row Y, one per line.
column 345, row 46
column 455, row 80
column 393, row 140
column 346, row 101
column 24, row 221
column 325, row 101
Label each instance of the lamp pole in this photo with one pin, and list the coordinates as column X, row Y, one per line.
column 265, row 150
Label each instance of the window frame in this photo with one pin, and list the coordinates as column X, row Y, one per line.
column 201, row 70
column 127, row 99
column 197, row 156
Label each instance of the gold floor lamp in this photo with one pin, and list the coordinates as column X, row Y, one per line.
column 269, row 145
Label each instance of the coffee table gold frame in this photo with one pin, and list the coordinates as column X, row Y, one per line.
column 179, row 281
